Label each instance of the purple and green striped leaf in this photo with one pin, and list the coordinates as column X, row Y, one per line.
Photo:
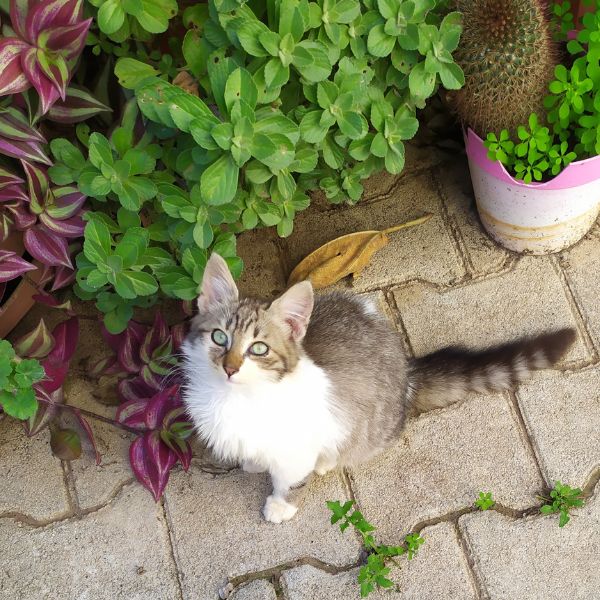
column 13, row 78
column 13, row 266
column 47, row 247
column 78, row 106
column 37, row 343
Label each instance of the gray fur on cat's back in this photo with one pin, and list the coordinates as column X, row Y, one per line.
column 364, row 359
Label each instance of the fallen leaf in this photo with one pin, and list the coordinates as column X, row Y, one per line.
column 187, row 83
column 65, row 444
column 346, row 255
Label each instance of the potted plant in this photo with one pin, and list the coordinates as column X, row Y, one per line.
column 536, row 177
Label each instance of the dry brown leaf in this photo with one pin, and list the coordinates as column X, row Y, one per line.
column 346, row 255
column 187, row 83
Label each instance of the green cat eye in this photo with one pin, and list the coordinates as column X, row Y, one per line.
column 259, row 349
column 219, row 337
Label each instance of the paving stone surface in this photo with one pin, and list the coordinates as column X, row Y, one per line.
column 581, row 266
column 90, row 532
column 255, row 590
column 218, row 531
column 533, row 558
column 119, row 552
column 31, row 479
column 481, row 254
column 442, row 461
column 562, row 413
column 422, row 252
column 528, row 300
column 439, row 571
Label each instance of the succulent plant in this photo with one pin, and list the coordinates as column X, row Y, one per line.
column 508, row 56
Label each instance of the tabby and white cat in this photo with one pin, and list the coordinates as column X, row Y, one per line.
column 305, row 384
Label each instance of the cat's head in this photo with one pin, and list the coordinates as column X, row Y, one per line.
column 246, row 340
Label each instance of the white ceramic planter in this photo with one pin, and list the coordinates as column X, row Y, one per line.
column 536, row 218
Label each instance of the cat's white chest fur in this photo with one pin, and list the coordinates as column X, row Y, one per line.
column 289, row 422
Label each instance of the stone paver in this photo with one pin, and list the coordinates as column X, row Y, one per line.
column 423, row 252
column 86, row 532
column 219, row 533
column 255, row 590
column 581, row 266
column 483, row 255
column 524, row 302
column 120, row 552
column 31, row 479
column 440, row 571
column 562, row 413
column 442, row 461
column 533, row 558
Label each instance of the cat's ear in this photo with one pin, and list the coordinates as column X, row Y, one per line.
column 294, row 308
column 218, row 286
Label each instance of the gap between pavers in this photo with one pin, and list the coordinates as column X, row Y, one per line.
column 219, row 534
column 529, row 300
column 442, row 461
column 439, row 572
column 562, row 415
column 120, row 551
column 531, row 558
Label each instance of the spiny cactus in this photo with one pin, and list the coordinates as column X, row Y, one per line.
column 508, row 56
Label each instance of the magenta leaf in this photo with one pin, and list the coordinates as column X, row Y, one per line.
column 47, row 89
column 13, row 78
column 66, row 335
column 13, row 192
column 68, row 228
column 47, row 409
column 133, row 414
column 8, row 179
column 49, row 300
column 37, row 182
column 13, row 266
column 18, row 16
column 63, row 277
column 103, row 366
column 50, row 14
column 129, row 348
column 15, row 126
column 47, row 247
column 89, row 433
column 160, row 405
column 78, row 106
column 154, row 338
column 23, row 150
column 68, row 40
column 67, row 203
column 151, row 461
column 135, row 389
column 38, row 343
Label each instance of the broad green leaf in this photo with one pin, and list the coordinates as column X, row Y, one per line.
column 20, row 405
column 311, row 129
column 452, row 76
column 421, row 83
column 353, row 124
column 219, row 181
column 131, row 72
column 240, row 86
column 111, row 16
column 100, row 150
column 97, row 242
column 379, row 43
column 312, row 61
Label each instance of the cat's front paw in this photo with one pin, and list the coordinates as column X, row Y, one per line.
column 277, row 510
column 250, row 466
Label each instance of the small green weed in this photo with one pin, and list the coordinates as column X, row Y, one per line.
column 485, row 500
column 562, row 499
column 374, row 573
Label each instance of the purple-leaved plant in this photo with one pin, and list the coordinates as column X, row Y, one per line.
column 49, row 37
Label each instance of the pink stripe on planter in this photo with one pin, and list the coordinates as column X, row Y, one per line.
column 577, row 173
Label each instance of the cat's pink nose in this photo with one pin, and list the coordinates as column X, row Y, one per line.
column 230, row 370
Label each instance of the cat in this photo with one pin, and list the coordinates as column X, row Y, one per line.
column 307, row 383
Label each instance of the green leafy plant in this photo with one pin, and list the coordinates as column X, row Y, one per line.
column 374, row 573
column 485, row 501
column 562, row 499
column 572, row 110
column 17, row 377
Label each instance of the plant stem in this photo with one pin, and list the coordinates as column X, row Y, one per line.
column 412, row 223
column 92, row 415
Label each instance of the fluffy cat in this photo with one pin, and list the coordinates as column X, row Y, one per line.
column 307, row 384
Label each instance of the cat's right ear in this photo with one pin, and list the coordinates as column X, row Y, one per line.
column 218, row 286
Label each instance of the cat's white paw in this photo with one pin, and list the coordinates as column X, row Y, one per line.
column 250, row 466
column 277, row 510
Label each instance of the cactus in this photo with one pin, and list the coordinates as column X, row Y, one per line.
column 508, row 56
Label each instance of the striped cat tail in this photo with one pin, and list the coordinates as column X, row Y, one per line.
column 441, row 378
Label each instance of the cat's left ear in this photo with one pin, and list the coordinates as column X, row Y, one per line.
column 218, row 286
column 294, row 308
